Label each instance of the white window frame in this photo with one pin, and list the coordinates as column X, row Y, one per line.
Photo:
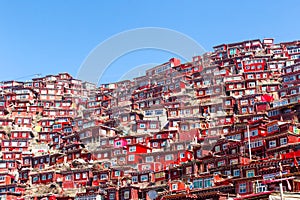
column 242, row 188
column 272, row 143
column 283, row 141
column 132, row 149
column 131, row 157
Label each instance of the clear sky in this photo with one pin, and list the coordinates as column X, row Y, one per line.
column 54, row 36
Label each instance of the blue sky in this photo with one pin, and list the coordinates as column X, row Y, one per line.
column 48, row 37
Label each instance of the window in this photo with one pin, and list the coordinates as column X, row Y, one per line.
column 44, row 177
column 174, row 186
column 153, row 126
column 132, row 149
column 221, row 163
column 158, row 112
column 273, row 113
column 124, row 119
column 250, row 173
column 217, row 148
column 182, row 155
column 22, row 144
column 169, row 157
column 148, row 112
column 142, row 126
column 103, row 176
column 126, row 195
column 272, row 143
column 250, row 76
column 283, row 141
column 259, row 67
column 184, row 127
column 179, row 147
column 244, row 110
column 117, row 173
column 103, row 142
column 261, row 187
column 234, row 161
column 122, row 159
column 118, row 143
column 242, row 188
column 227, row 102
column 199, row 153
column 112, row 196
column 84, row 175
column 227, row 172
column 208, row 182
column 251, row 133
column 35, row 179
column 144, row 178
column 139, row 140
column 149, row 159
column 131, row 158
column 294, row 92
column 77, row 176
column 95, row 178
column 146, row 167
column 134, row 179
column 236, row 172
column 251, row 84
column 198, row 183
column 14, row 144
column 272, row 128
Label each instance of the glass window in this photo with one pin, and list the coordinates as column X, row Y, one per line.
column 236, row 172
column 169, row 157
column 242, row 188
column 44, row 177
column 144, row 178
column 208, row 182
column 272, row 143
column 132, row 149
column 174, row 186
column 250, row 173
column 103, row 176
column 77, row 175
column 134, row 179
column 149, row 159
column 198, row 183
column 130, row 157
column 112, row 196
column 117, row 173
column 283, row 141
column 126, row 195
column 35, row 179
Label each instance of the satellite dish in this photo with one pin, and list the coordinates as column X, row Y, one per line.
column 152, row 194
